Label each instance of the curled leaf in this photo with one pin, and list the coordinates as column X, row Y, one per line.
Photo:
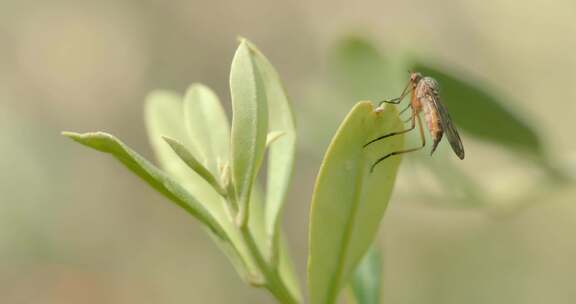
column 281, row 149
column 249, row 126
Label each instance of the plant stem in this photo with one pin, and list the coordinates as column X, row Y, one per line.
column 272, row 280
column 274, row 283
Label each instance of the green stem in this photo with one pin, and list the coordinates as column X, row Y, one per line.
column 273, row 282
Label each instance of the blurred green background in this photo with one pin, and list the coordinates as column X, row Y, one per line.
column 76, row 227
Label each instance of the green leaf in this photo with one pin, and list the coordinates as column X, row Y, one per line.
column 286, row 269
column 207, row 126
column 194, row 164
column 153, row 176
column 165, row 118
column 257, row 229
column 363, row 72
column 367, row 280
column 360, row 68
column 249, row 125
column 272, row 137
column 349, row 201
column 281, row 151
column 481, row 114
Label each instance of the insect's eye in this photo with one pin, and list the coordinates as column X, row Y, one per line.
column 415, row 77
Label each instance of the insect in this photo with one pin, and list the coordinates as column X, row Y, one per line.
column 425, row 97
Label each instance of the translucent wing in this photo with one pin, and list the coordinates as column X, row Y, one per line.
column 447, row 126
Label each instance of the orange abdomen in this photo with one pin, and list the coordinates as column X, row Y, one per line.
column 432, row 118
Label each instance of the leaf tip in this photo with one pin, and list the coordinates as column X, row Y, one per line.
column 176, row 146
column 158, row 97
column 242, row 42
column 195, row 86
column 241, row 39
column 70, row 134
column 81, row 137
column 168, row 140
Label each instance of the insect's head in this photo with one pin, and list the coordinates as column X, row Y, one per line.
column 415, row 77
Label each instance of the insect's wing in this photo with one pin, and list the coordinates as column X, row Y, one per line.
column 448, row 127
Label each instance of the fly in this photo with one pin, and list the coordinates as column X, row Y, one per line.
column 425, row 98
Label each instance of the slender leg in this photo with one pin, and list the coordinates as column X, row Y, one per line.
column 405, row 109
column 413, row 117
column 403, row 151
column 398, row 99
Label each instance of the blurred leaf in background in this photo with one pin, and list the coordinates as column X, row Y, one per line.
column 360, row 70
column 366, row 283
column 481, row 114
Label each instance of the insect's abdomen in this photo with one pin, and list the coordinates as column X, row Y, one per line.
column 425, row 91
column 432, row 118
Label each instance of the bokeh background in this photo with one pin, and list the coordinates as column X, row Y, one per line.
column 76, row 227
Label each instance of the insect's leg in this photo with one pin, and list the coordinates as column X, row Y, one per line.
column 405, row 109
column 413, row 125
column 398, row 99
column 409, row 106
column 422, row 137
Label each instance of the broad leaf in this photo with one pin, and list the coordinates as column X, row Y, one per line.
column 207, row 126
column 349, row 201
column 163, row 116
